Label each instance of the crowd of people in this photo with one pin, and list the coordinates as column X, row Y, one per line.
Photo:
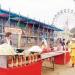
column 62, row 44
column 68, row 46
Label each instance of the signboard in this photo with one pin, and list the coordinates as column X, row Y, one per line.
column 13, row 30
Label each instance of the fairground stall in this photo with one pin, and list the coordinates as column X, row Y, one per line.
column 27, row 34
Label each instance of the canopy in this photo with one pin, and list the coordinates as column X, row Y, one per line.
column 18, row 17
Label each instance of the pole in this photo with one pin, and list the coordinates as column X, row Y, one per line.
column 19, row 18
column 19, row 35
column 0, row 6
column 39, row 33
column 9, row 18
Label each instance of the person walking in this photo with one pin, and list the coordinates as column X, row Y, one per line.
column 72, row 53
column 63, row 44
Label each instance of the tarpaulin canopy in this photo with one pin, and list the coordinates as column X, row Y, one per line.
column 22, row 26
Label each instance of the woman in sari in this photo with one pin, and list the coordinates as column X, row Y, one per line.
column 72, row 47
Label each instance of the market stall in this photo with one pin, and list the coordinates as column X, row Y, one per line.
column 19, row 63
column 34, row 68
column 63, row 58
column 15, row 60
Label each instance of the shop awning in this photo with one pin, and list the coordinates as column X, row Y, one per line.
column 25, row 20
column 55, row 28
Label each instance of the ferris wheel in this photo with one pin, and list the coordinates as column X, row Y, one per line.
column 64, row 19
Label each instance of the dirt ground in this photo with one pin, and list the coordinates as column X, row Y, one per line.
column 59, row 70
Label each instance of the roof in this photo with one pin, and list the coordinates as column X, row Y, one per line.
column 14, row 16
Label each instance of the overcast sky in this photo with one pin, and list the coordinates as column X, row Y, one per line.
column 43, row 10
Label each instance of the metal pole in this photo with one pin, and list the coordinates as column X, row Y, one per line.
column 39, row 33
column 19, row 18
column 2, row 26
column 9, row 18
column 33, row 29
column 18, row 34
column 0, row 6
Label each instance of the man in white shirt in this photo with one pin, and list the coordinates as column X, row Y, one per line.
column 7, row 39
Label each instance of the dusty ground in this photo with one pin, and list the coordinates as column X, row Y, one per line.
column 59, row 70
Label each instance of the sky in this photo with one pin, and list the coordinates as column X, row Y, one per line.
column 43, row 10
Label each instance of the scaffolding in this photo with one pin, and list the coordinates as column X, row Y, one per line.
column 32, row 31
